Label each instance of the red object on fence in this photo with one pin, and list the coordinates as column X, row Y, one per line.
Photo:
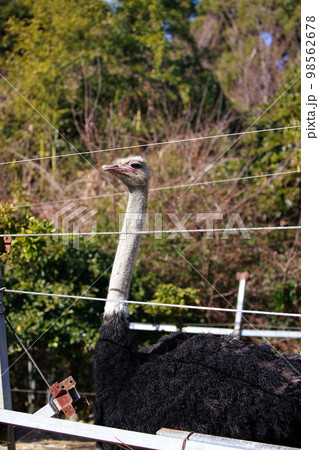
column 66, row 397
column 5, row 244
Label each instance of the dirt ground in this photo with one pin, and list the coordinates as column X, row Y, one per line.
column 55, row 445
column 39, row 441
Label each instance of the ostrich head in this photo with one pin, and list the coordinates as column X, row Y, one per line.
column 132, row 171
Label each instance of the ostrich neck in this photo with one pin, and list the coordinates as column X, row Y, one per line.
column 126, row 251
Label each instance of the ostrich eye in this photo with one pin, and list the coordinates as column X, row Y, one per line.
column 136, row 165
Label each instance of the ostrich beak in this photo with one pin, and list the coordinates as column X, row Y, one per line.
column 118, row 168
column 109, row 166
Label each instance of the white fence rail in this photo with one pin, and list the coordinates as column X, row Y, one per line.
column 173, row 440
column 215, row 330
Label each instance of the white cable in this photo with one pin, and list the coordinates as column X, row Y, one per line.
column 133, row 302
column 151, row 144
column 158, row 189
column 200, row 230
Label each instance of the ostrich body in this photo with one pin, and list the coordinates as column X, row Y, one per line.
column 213, row 385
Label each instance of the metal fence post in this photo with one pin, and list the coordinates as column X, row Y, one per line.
column 242, row 277
column 5, row 390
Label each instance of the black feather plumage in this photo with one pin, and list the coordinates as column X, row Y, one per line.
column 213, row 385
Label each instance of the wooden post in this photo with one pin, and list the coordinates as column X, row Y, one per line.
column 5, row 390
column 241, row 277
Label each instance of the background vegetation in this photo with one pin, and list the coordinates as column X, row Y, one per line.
column 82, row 76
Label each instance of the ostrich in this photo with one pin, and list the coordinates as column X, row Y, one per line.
column 213, row 385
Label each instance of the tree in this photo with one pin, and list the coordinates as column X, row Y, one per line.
column 248, row 44
column 60, row 333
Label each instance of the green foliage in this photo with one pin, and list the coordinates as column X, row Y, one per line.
column 60, row 333
column 45, row 265
column 10, row 8
column 173, row 295
column 285, row 295
column 247, row 43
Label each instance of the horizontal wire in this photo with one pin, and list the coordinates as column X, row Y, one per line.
column 36, row 391
column 199, row 230
column 133, row 302
column 162, row 188
column 151, row 144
